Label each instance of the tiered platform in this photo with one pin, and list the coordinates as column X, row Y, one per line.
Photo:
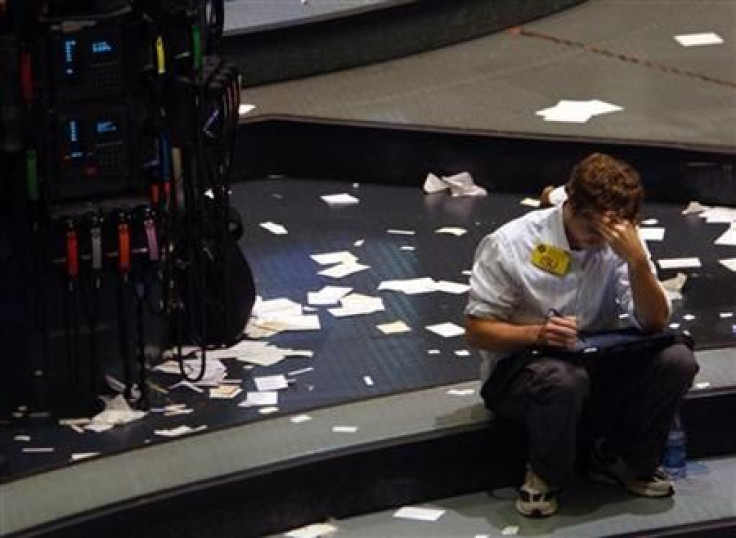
column 375, row 132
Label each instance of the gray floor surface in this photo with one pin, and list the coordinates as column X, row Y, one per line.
column 588, row 510
column 619, row 51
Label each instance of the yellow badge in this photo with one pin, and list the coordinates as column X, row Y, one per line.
column 551, row 259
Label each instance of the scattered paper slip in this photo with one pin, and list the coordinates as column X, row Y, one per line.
column 651, row 234
column 270, row 410
column 316, row 530
column 724, row 315
column 224, row 392
column 253, row 399
column 460, row 392
column 577, row 111
column 447, row 329
column 462, row 353
column 300, row 419
column 451, row 231
column 340, row 199
column 83, row 455
column 461, row 184
column 274, row 228
column 419, row 514
column 330, row 258
column 343, row 269
column 456, row 288
column 679, row 263
column 271, row 382
column 531, row 202
column 368, row 380
column 410, row 286
column 699, row 40
column 394, row 327
column 179, row 431
column 694, row 207
column 244, row 108
column 37, row 450
column 328, row 295
column 400, row 232
column 511, row 530
column 407, row 248
column 728, row 237
column 344, row 429
column 649, row 222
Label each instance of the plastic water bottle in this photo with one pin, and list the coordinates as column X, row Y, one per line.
column 675, row 451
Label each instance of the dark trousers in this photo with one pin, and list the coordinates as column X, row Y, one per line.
column 629, row 400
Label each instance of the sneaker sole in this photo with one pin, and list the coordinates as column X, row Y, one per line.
column 603, row 478
column 535, row 513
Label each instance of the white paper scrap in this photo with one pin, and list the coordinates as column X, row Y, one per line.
column 400, row 232
column 456, row 288
column 343, row 269
column 340, row 199
column 410, row 286
column 433, row 352
column 300, row 418
column 407, row 248
column 253, row 399
column 419, row 514
column 344, row 429
column 291, row 323
column 316, row 530
column 274, row 228
column 699, row 40
column 679, row 263
column 462, row 184
column 356, row 304
column 394, row 327
column 37, row 450
column 694, row 207
column 271, row 382
column 225, row 392
column 651, row 234
column 674, row 325
column 83, row 455
column 728, row 237
column 328, row 295
column 649, row 222
column 531, row 202
column 331, row 258
column 510, row 530
column 244, row 108
column 462, row 352
column 728, row 263
column 724, row 315
column 433, row 184
column 450, row 230
column 269, row 410
column 446, row 329
column 460, row 392
column 702, row 385
column 368, row 380
column 359, row 243
column 577, row 111
column 688, row 317
column 22, row 438
column 179, row 431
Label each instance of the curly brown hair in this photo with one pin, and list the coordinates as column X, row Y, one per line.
column 601, row 183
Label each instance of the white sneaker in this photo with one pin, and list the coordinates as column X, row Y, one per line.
column 536, row 498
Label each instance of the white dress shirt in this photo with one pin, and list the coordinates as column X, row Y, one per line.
column 505, row 285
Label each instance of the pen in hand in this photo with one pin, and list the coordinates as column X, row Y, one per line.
column 558, row 330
